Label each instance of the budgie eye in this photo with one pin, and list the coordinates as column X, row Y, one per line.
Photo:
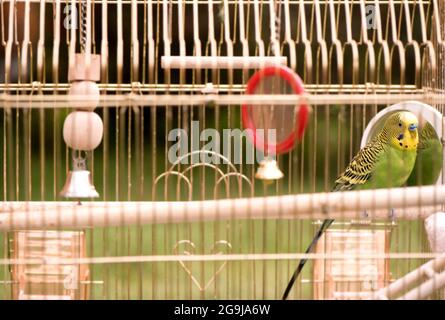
column 400, row 124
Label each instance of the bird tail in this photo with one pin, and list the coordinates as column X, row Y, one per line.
column 326, row 224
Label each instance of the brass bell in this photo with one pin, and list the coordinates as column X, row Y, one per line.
column 78, row 182
column 268, row 170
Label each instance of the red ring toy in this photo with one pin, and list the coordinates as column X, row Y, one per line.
column 301, row 119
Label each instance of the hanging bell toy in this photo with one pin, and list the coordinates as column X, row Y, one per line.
column 83, row 128
column 274, row 129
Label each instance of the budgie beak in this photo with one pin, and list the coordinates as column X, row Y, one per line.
column 412, row 127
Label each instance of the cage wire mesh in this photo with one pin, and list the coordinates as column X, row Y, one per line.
column 202, row 226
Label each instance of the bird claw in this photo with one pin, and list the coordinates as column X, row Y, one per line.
column 365, row 214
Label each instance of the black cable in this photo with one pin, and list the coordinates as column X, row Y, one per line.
column 326, row 223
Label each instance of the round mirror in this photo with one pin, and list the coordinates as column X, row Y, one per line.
column 429, row 161
column 288, row 121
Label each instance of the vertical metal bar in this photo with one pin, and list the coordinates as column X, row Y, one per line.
column 120, row 43
column 106, row 144
column 57, row 150
column 8, row 48
column 129, row 196
column 134, row 42
column 167, row 9
column 152, row 48
column 211, row 36
column 25, row 43
column 72, row 38
column 88, row 26
column 41, row 79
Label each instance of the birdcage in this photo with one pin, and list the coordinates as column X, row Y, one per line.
column 133, row 169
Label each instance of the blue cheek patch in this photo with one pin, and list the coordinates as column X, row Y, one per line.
column 400, row 137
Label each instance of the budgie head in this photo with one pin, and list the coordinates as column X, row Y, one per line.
column 400, row 130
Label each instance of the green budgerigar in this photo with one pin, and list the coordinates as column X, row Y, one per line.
column 385, row 162
column 429, row 157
